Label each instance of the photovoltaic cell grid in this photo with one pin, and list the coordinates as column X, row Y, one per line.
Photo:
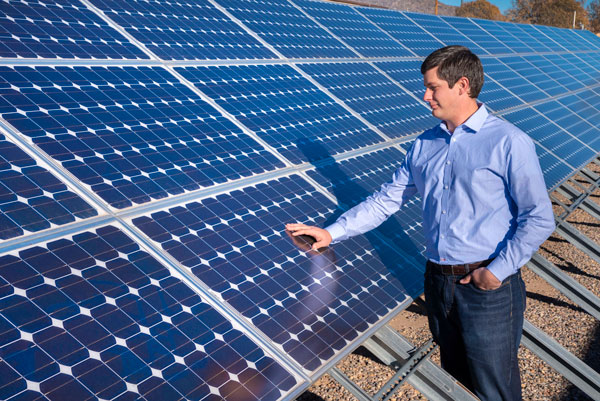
column 311, row 307
column 380, row 101
column 59, row 29
column 184, row 30
column 476, row 34
column 499, row 31
column 130, row 134
column 287, row 29
column 94, row 315
column 350, row 26
column 283, row 108
column 31, row 198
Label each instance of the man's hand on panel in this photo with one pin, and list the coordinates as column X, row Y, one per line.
column 321, row 236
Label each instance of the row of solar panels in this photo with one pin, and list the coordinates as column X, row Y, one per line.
column 126, row 191
column 193, row 30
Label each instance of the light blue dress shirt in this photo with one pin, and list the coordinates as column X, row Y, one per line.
column 483, row 194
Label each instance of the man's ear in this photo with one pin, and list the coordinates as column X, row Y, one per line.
column 463, row 85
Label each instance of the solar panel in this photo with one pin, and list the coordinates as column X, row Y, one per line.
column 130, row 134
column 373, row 96
column 59, row 29
column 402, row 29
column 184, row 30
column 32, row 198
column 283, row 108
column 287, row 29
column 151, row 153
column 311, row 305
column 350, row 26
column 94, row 315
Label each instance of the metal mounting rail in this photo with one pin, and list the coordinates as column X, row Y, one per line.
column 564, row 362
column 578, row 239
column 579, row 200
column 412, row 366
column 564, row 283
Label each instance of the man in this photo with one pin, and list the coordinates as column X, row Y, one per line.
column 485, row 212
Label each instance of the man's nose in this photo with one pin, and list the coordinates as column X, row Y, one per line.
column 427, row 95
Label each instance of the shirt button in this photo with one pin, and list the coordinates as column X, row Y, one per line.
column 445, row 186
column 453, row 139
column 442, row 236
column 448, row 162
column 443, row 212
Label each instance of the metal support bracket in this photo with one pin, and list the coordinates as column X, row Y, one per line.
column 564, row 362
column 564, row 283
column 412, row 366
column 578, row 239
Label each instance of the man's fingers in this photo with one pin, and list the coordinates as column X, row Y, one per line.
column 295, row 226
column 466, row 279
column 319, row 244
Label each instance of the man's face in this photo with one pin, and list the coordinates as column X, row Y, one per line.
column 442, row 99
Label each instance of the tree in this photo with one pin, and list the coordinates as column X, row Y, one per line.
column 480, row 9
column 594, row 15
column 557, row 13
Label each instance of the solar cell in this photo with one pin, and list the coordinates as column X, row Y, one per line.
column 287, row 29
column 32, row 198
column 402, row 29
column 59, row 29
column 373, row 96
column 529, row 35
column 407, row 73
column 311, row 304
column 540, row 34
column 130, row 134
column 563, row 39
column 350, row 26
column 283, row 108
column 496, row 97
column 184, row 30
column 94, row 315
column 444, row 32
column 555, row 170
column 534, row 75
column 576, row 68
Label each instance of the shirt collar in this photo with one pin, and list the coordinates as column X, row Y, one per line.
column 475, row 122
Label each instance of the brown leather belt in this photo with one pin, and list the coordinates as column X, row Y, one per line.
column 457, row 270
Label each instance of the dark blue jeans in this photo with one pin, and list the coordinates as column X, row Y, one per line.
column 478, row 332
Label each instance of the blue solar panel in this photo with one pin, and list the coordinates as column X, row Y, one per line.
column 93, row 315
column 312, row 305
column 444, row 32
column 283, row 108
column 555, row 170
column 59, row 29
column 407, row 73
column 561, row 37
column 539, row 32
column 511, row 80
column 498, row 31
column 529, row 35
column 376, row 98
column 402, row 29
column 350, row 26
column 549, row 134
column 576, row 68
column 352, row 180
column 31, row 198
column 130, row 134
column 534, row 74
column 474, row 32
column 184, row 30
column 287, row 28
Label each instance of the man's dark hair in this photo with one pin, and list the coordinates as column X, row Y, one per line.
column 455, row 62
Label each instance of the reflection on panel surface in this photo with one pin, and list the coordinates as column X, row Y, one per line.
column 130, row 134
column 376, row 98
column 283, row 108
column 94, row 315
column 184, row 30
column 311, row 305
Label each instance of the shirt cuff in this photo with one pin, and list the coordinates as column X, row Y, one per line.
column 500, row 269
column 337, row 232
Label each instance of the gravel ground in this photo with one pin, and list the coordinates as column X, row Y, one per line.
column 547, row 309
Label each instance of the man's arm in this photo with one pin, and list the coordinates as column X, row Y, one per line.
column 535, row 219
column 366, row 215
